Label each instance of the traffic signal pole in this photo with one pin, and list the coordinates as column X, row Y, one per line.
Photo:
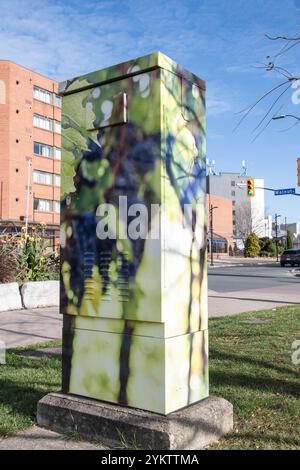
column 276, row 235
column 286, row 233
column 211, row 214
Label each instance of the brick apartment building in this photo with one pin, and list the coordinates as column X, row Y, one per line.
column 222, row 240
column 30, row 149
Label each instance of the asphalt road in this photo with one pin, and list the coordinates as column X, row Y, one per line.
column 235, row 289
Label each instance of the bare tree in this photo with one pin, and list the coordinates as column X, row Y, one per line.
column 247, row 220
column 279, row 91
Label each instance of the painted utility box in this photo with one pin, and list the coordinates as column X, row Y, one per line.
column 133, row 267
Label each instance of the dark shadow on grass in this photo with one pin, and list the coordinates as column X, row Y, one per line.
column 21, row 399
column 215, row 354
column 259, row 384
column 253, row 382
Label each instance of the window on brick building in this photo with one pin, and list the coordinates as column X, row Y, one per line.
column 57, row 126
column 57, row 100
column 43, row 205
column 218, row 245
column 57, row 153
column 56, row 206
column 42, row 150
column 42, row 95
column 42, row 177
column 56, row 180
column 42, row 122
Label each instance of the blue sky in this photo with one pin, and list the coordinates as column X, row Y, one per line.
column 222, row 41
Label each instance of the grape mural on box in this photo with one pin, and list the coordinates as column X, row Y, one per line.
column 135, row 307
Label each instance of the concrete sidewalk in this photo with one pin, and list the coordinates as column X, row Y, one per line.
column 36, row 438
column 231, row 303
column 24, row 327
column 232, row 261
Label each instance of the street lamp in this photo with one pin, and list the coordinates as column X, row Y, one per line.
column 211, row 213
column 283, row 116
column 276, row 234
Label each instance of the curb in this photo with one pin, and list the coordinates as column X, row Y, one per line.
column 29, row 295
column 10, row 297
column 232, row 265
column 40, row 294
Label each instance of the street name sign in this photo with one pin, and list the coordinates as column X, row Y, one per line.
column 284, row 192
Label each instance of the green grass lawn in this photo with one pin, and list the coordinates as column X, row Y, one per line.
column 250, row 365
column 23, row 382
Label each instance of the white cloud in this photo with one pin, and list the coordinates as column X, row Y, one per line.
column 61, row 41
column 65, row 39
column 217, row 106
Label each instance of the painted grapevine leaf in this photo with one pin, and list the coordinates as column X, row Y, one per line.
column 67, row 173
column 146, row 298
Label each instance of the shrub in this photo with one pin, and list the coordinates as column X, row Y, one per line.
column 281, row 247
column 265, row 254
column 26, row 257
column 35, row 256
column 9, row 266
column 267, row 247
column 252, row 246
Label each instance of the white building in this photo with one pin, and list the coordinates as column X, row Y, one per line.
column 258, row 208
column 249, row 211
column 268, row 224
column 294, row 228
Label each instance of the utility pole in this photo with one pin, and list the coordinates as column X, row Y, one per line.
column 276, row 234
column 286, row 234
column 211, row 213
column 27, row 194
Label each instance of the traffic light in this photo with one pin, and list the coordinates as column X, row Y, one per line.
column 250, row 186
column 298, row 162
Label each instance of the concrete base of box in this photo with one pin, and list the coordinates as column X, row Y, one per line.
column 191, row 428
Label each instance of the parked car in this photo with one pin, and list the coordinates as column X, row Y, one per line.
column 291, row 257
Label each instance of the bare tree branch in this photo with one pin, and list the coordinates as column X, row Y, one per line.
column 284, row 38
column 265, row 127
column 272, row 106
column 258, row 101
column 270, row 66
